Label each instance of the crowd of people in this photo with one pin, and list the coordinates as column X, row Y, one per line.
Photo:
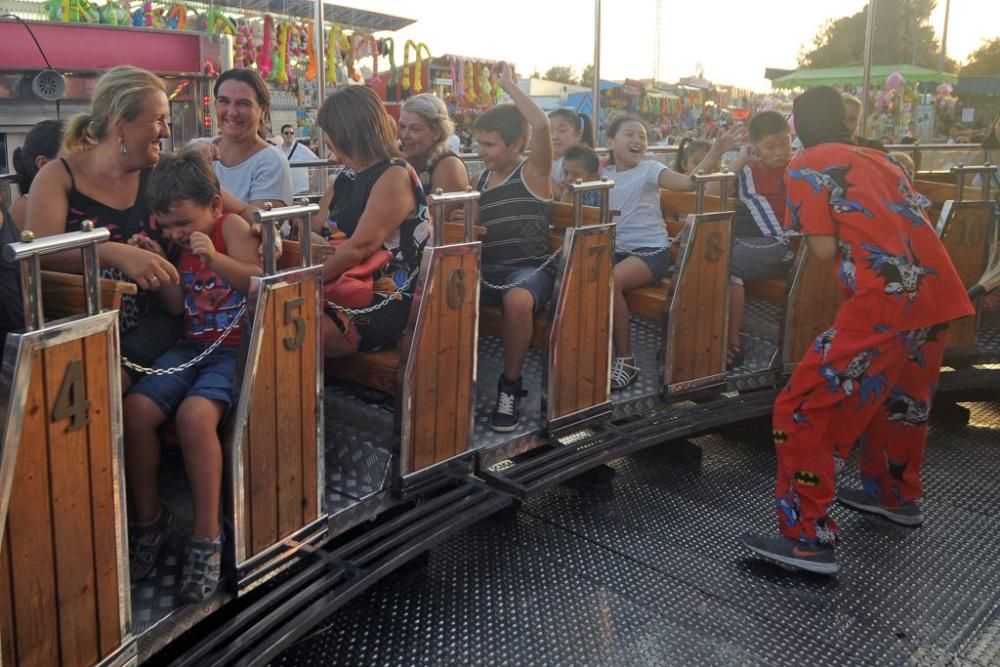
column 181, row 231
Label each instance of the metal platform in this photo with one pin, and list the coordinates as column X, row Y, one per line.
column 649, row 571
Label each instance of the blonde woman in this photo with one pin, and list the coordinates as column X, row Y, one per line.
column 424, row 128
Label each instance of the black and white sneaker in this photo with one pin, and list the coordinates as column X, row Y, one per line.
column 818, row 558
column 506, row 415
column 905, row 515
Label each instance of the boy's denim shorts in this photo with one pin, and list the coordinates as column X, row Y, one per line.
column 210, row 378
column 156, row 334
column 658, row 262
column 757, row 258
column 537, row 281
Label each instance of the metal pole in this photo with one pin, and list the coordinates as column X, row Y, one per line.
column 320, row 68
column 944, row 36
column 596, row 92
column 866, row 79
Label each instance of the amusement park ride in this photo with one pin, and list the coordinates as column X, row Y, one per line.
column 331, row 485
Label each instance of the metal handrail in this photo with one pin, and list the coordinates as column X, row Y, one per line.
column 440, row 199
column 270, row 218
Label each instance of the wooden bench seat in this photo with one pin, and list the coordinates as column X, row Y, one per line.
column 650, row 302
column 62, row 293
column 376, row 370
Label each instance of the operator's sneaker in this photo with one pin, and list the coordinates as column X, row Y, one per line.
column 145, row 542
column 820, row 558
column 623, row 372
column 202, row 569
column 506, row 415
column 905, row 515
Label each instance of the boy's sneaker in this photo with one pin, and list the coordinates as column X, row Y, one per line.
column 623, row 372
column 905, row 515
column 202, row 570
column 145, row 542
column 820, row 558
column 507, row 414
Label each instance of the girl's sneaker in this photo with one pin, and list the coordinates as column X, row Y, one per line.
column 145, row 542
column 623, row 372
column 202, row 570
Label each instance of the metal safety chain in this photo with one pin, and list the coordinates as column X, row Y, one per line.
column 671, row 241
column 551, row 258
column 188, row 364
column 772, row 242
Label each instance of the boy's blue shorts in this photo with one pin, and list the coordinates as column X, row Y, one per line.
column 538, row 282
column 210, row 378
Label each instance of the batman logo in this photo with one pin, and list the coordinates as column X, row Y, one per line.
column 806, row 478
column 780, row 437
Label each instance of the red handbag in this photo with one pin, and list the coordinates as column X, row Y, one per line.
column 355, row 287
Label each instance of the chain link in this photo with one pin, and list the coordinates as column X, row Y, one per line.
column 389, row 298
column 772, row 242
column 551, row 258
column 188, row 364
column 648, row 253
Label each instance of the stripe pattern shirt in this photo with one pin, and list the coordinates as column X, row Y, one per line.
column 516, row 221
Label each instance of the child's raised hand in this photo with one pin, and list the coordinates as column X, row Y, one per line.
column 732, row 138
column 507, row 78
column 201, row 246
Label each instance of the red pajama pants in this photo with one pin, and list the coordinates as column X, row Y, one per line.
column 869, row 389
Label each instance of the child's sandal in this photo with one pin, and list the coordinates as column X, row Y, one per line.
column 146, row 541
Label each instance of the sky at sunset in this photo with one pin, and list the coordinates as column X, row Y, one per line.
column 733, row 40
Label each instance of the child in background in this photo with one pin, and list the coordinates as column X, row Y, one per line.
column 690, row 154
column 760, row 250
column 42, row 143
column 641, row 255
column 217, row 260
column 581, row 163
column 569, row 129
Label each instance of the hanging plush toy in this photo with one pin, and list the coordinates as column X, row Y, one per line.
column 280, row 72
column 244, row 51
column 176, row 18
column 413, row 80
column 311, row 52
column 114, row 14
column 332, row 54
column 387, row 47
column 265, row 59
column 485, row 88
column 459, row 83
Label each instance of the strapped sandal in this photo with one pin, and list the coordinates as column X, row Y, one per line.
column 734, row 357
column 146, row 541
column 202, row 570
column 623, row 372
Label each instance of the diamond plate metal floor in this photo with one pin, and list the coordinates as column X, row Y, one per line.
column 649, row 571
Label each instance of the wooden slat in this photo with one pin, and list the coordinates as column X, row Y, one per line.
column 99, row 434
column 967, row 236
column 811, row 306
column 426, row 385
column 288, row 414
column 590, row 293
column 454, row 232
column 767, row 290
column 262, row 433
column 602, row 317
column 310, row 410
column 698, row 306
column 448, row 324
column 29, row 535
column 467, row 335
column 8, row 628
column 71, row 515
column 563, row 387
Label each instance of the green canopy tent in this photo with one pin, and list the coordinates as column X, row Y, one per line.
column 841, row 76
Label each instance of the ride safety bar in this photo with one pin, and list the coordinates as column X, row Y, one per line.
column 29, row 253
column 701, row 180
column 270, row 218
column 985, row 171
column 579, row 187
column 470, row 204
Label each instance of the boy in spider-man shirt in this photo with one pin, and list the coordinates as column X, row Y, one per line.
column 218, row 258
column 870, row 379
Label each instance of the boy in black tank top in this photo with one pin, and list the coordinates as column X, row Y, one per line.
column 514, row 208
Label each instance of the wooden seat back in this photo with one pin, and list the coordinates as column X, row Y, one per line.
column 64, row 587
column 810, row 307
column 64, row 293
column 576, row 381
column 968, row 230
column 275, row 452
column 696, row 328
